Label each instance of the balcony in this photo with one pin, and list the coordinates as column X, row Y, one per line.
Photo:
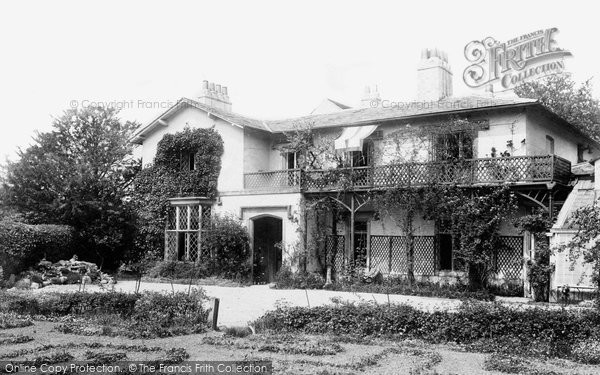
column 484, row 171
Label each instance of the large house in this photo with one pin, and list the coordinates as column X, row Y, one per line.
column 517, row 142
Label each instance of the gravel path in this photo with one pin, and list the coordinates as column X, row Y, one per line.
column 239, row 305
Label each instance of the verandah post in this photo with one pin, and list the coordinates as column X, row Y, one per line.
column 351, row 255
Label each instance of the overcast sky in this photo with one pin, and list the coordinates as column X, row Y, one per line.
column 278, row 59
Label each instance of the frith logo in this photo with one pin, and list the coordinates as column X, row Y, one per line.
column 527, row 57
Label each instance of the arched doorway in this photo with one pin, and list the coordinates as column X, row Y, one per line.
column 267, row 247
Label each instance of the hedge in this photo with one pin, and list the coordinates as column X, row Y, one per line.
column 24, row 245
column 135, row 315
column 554, row 331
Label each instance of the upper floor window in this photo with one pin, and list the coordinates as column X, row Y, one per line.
column 362, row 158
column 453, row 146
column 549, row 145
column 188, row 161
column 290, row 160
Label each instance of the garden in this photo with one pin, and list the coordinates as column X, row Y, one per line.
column 71, row 237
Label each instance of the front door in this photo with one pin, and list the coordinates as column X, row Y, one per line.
column 267, row 248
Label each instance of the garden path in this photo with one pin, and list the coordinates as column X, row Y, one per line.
column 239, row 305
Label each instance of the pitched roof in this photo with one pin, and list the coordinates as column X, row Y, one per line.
column 349, row 116
column 342, row 106
column 233, row 118
column 361, row 116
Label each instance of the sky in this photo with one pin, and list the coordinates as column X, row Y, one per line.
column 278, row 58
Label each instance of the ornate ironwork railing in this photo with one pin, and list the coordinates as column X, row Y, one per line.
column 548, row 168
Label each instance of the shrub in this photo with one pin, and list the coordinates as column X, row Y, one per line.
column 60, row 304
column 150, row 314
column 160, row 315
column 228, row 242
column 24, row 245
column 10, row 320
column 504, row 363
column 587, row 351
column 177, row 270
column 286, row 279
column 399, row 285
column 556, row 330
column 238, row 331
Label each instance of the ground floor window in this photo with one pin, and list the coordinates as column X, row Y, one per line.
column 186, row 224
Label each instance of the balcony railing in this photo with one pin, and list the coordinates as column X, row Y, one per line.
column 485, row 171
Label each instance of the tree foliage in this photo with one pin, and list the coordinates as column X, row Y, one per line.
column 78, row 174
column 560, row 94
column 585, row 243
column 23, row 245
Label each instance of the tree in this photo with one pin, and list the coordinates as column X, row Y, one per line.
column 79, row 174
column 574, row 104
column 586, row 242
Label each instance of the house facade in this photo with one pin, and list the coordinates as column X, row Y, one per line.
column 514, row 141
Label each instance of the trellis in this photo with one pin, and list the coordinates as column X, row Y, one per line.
column 335, row 246
column 508, row 260
column 388, row 255
column 186, row 226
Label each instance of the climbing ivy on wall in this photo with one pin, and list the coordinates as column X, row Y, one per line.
column 540, row 268
column 170, row 176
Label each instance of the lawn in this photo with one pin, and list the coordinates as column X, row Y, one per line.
column 290, row 353
column 104, row 337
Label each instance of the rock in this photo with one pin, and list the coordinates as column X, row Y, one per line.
column 45, row 264
column 23, row 284
column 34, row 286
column 373, row 276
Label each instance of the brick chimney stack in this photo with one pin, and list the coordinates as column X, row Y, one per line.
column 215, row 95
column 371, row 98
column 434, row 76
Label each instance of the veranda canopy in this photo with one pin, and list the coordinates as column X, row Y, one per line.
column 352, row 138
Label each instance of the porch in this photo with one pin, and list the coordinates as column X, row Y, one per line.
column 482, row 171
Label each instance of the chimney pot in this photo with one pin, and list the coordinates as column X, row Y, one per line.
column 215, row 95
